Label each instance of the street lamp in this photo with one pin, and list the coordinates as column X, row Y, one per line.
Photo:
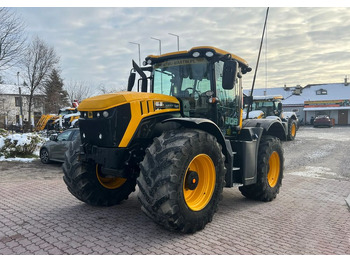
column 160, row 44
column 139, row 51
column 178, row 41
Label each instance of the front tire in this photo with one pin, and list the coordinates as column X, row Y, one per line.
column 87, row 183
column 292, row 129
column 269, row 173
column 181, row 179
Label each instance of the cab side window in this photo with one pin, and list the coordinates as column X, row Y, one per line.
column 227, row 114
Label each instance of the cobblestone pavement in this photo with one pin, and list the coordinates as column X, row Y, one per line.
column 310, row 216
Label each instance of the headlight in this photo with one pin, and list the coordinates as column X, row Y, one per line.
column 196, row 54
column 209, row 53
column 105, row 114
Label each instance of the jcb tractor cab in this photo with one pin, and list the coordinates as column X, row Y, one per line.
column 270, row 106
column 180, row 137
column 266, row 106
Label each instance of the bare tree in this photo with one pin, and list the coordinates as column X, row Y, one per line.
column 38, row 63
column 78, row 90
column 12, row 38
column 102, row 89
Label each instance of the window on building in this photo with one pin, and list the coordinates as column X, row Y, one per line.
column 321, row 92
column 17, row 101
column 37, row 102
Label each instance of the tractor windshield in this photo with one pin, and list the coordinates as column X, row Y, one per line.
column 195, row 81
column 187, row 79
column 260, row 105
column 268, row 107
column 181, row 77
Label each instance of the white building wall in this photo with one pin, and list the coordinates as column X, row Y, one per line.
column 8, row 107
column 334, row 114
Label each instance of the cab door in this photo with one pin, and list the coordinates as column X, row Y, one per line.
column 228, row 103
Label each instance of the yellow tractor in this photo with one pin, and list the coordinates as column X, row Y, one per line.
column 270, row 106
column 64, row 119
column 180, row 137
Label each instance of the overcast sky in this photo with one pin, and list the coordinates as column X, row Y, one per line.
column 304, row 45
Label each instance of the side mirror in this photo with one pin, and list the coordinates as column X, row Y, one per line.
column 53, row 137
column 247, row 100
column 279, row 106
column 229, row 74
column 131, row 80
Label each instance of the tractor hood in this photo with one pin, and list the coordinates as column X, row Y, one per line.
column 107, row 101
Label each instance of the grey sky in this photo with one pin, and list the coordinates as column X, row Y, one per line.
column 304, row 45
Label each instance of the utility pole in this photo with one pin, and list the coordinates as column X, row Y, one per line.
column 139, row 51
column 178, row 41
column 20, row 102
column 160, row 44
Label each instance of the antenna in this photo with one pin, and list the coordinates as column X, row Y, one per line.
column 257, row 64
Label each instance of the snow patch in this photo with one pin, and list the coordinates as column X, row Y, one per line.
column 15, row 147
column 316, row 172
column 17, row 159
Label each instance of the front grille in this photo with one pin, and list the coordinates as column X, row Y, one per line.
column 96, row 129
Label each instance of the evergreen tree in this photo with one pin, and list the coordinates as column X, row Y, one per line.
column 55, row 96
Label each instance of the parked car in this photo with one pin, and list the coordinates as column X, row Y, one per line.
column 55, row 148
column 323, row 120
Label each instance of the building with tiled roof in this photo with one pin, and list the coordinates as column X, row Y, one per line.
column 313, row 100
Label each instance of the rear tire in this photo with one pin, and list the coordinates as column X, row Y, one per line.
column 181, row 179
column 86, row 182
column 269, row 173
column 44, row 156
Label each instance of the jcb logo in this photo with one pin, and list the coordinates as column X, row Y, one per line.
column 90, row 115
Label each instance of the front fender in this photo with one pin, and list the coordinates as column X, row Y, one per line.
column 271, row 127
column 202, row 124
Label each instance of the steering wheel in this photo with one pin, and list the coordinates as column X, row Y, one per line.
column 193, row 91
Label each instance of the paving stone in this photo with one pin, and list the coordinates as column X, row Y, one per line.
column 309, row 216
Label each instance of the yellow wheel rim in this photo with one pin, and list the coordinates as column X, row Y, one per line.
column 274, row 169
column 199, row 197
column 293, row 130
column 109, row 182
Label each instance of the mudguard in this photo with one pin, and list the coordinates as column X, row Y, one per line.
column 203, row 124
column 271, row 127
